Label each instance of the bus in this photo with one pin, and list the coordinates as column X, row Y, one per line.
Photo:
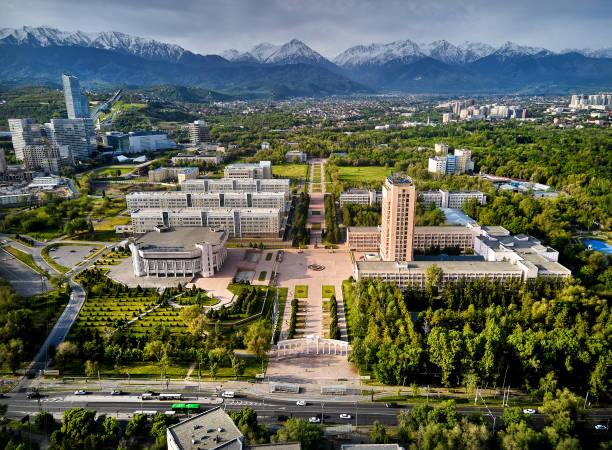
column 146, row 413
column 186, row 408
column 170, row 396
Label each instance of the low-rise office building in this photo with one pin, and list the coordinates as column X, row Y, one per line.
column 180, row 252
column 238, row 222
column 425, row 237
column 179, row 200
column 16, row 199
column 147, row 141
column 237, row 185
column 361, row 196
column 412, row 273
column 179, row 174
column 260, row 170
column 296, row 155
column 451, row 199
column 195, row 158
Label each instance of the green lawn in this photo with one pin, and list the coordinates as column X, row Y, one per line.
column 262, row 275
column 111, row 170
column 295, row 171
column 315, row 226
column 328, row 291
column 316, row 213
column 301, row 291
column 25, row 258
column 364, row 175
column 269, row 256
column 110, row 222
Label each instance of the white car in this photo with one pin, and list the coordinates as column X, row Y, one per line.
column 80, row 392
column 345, row 416
column 314, row 420
column 529, row 411
column 228, row 394
column 300, row 403
column 601, row 427
column 116, row 392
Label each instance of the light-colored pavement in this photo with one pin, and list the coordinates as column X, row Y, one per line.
column 22, row 278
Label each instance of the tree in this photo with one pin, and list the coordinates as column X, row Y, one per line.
column 238, row 366
column 433, row 277
column 137, row 426
column 78, row 423
column 45, row 422
column 378, row 435
column 257, row 339
column 563, row 410
column 160, row 423
column 66, row 352
column 91, row 368
column 308, row 434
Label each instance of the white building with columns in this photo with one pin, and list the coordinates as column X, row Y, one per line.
column 184, row 252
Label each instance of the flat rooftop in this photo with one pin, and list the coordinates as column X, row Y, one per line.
column 182, row 237
column 202, row 431
column 363, row 229
column 466, row 267
column 457, row 217
column 442, row 229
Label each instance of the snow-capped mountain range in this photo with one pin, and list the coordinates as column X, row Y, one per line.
column 292, row 52
column 108, row 40
column 39, row 54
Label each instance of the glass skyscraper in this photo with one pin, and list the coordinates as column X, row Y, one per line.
column 76, row 103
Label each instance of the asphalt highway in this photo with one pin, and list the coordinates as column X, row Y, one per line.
column 268, row 410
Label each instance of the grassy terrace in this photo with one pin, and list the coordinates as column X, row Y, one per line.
column 293, row 171
column 364, row 175
column 327, row 291
column 301, row 291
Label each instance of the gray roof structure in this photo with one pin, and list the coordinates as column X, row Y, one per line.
column 182, row 237
column 212, row 429
column 462, row 266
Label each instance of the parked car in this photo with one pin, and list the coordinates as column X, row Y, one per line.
column 33, row 394
column 314, row 420
column 282, row 418
column 300, row 403
column 529, row 411
column 345, row 416
column 80, row 392
column 390, row 405
column 601, row 427
column 228, row 394
column 116, row 392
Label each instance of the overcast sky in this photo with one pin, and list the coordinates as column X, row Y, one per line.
column 329, row 27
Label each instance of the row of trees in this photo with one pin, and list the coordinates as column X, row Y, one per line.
column 248, row 302
column 334, row 330
column 332, row 232
column 301, row 234
column 293, row 318
column 537, row 335
column 442, row 427
column 354, row 214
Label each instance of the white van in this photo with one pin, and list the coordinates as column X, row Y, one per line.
column 228, row 394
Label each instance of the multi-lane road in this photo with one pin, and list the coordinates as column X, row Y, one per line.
column 268, row 410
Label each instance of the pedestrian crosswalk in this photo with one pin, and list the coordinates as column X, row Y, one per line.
column 242, row 403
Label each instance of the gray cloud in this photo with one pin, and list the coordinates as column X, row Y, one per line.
column 211, row 26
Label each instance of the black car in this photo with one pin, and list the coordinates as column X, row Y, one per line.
column 391, row 405
column 33, row 394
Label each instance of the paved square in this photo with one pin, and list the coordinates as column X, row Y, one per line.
column 71, row 255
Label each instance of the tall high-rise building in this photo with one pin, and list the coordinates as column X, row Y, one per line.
column 399, row 200
column 43, row 157
column 199, row 132
column 76, row 103
column 78, row 134
column 24, row 132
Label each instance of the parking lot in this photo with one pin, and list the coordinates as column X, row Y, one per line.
column 71, row 255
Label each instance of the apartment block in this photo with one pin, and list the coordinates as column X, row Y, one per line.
column 239, row 222
column 398, row 212
column 179, row 174
column 441, row 148
column 451, row 199
column 24, row 132
column 363, row 238
column 199, row 133
column 361, row 196
column 460, row 162
column 443, row 236
column 44, row 157
column 77, row 134
column 260, row 170
column 237, row 185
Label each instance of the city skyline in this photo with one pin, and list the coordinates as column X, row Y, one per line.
column 210, row 28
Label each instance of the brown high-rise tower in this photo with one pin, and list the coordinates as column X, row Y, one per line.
column 398, row 211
